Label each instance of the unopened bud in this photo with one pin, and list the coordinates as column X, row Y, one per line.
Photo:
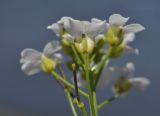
column 47, row 64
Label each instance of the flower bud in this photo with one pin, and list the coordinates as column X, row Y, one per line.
column 122, row 85
column 112, row 39
column 47, row 64
column 117, row 51
column 85, row 46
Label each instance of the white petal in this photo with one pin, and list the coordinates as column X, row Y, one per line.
column 96, row 20
column 57, row 28
column 109, row 75
column 57, row 57
column 63, row 20
column 133, row 28
column 140, row 82
column 99, row 37
column 128, row 38
column 31, row 68
column 96, row 28
column 68, row 37
column 74, row 27
column 51, row 48
column 29, row 54
column 117, row 19
column 130, row 68
column 129, row 50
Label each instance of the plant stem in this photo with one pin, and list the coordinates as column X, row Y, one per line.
column 75, row 81
column 58, row 77
column 84, row 111
column 95, row 102
column 107, row 101
column 101, row 66
column 76, row 55
column 70, row 102
column 89, row 85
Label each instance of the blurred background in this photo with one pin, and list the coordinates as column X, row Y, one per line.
column 23, row 25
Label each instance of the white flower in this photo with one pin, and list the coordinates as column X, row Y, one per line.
column 123, row 79
column 58, row 27
column 120, row 33
column 34, row 61
column 78, row 29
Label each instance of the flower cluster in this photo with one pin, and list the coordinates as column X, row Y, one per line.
column 89, row 45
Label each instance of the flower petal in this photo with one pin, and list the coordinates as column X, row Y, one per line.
column 95, row 28
column 31, row 68
column 57, row 57
column 128, row 38
column 29, row 54
column 74, row 27
column 68, row 37
column 140, row 82
column 117, row 19
column 129, row 50
column 96, row 20
column 129, row 70
column 51, row 48
column 57, row 28
column 133, row 28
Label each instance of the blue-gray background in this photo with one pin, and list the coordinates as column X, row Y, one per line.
column 23, row 24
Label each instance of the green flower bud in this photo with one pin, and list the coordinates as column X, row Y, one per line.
column 115, row 36
column 65, row 42
column 112, row 39
column 85, row 46
column 122, row 85
column 47, row 64
column 117, row 51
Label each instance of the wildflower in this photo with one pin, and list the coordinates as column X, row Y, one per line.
column 123, row 78
column 58, row 27
column 84, row 33
column 34, row 61
column 120, row 35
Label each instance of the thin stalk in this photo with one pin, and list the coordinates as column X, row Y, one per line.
column 95, row 102
column 101, row 66
column 58, row 77
column 84, row 111
column 71, row 102
column 76, row 55
column 61, row 71
column 75, row 81
column 107, row 101
column 89, row 85
column 64, row 76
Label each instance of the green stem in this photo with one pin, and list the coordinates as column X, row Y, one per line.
column 89, row 85
column 101, row 66
column 107, row 101
column 84, row 111
column 95, row 102
column 76, row 55
column 58, row 77
column 70, row 102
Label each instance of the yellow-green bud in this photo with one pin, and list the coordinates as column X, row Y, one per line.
column 122, row 85
column 117, row 51
column 112, row 39
column 85, row 46
column 65, row 42
column 47, row 64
